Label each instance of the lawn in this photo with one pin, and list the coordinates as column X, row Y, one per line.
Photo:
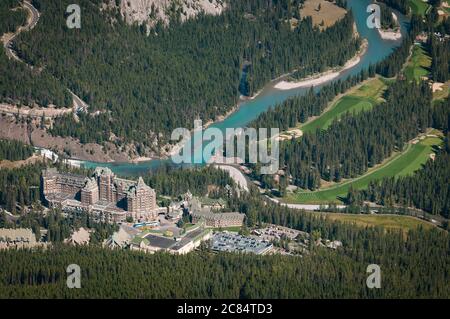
column 418, row 7
column 418, row 65
column 361, row 99
column 387, row 221
column 327, row 16
column 400, row 164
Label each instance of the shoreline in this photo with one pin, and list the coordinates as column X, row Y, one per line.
column 326, row 76
column 392, row 35
column 178, row 146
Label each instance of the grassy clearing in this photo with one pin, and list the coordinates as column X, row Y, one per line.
column 419, row 64
column 418, row 7
column 360, row 99
column 400, row 164
column 404, row 223
column 327, row 16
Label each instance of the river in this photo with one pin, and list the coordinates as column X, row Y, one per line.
column 248, row 110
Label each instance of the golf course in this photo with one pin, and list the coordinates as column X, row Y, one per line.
column 419, row 65
column 418, row 7
column 415, row 154
column 356, row 100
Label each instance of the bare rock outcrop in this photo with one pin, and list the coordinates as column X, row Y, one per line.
column 150, row 11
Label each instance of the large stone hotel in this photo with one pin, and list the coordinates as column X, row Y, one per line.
column 105, row 196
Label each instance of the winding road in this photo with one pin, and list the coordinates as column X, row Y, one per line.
column 32, row 20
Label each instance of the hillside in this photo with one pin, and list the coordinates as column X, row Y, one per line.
column 140, row 85
column 148, row 12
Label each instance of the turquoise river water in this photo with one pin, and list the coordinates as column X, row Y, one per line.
column 248, row 110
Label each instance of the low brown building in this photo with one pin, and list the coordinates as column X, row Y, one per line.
column 218, row 220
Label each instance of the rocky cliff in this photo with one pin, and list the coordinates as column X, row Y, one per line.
column 150, row 11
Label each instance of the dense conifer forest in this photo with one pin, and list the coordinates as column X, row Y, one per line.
column 19, row 83
column 440, row 54
column 427, row 189
column 19, row 187
column 352, row 144
column 299, row 109
column 387, row 20
column 9, row 20
column 400, row 5
column 176, row 182
column 14, row 150
column 132, row 77
column 404, row 259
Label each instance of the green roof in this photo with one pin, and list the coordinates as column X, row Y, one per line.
column 137, row 240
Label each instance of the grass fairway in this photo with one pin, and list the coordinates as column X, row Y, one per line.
column 361, row 99
column 401, row 164
column 418, row 65
column 404, row 223
column 418, row 7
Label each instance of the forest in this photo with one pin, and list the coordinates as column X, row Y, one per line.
column 400, row 5
column 12, row 150
column 440, row 54
column 152, row 84
column 199, row 181
column 356, row 142
column 300, row 108
column 19, row 84
column 387, row 20
column 9, row 20
column 405, row 261
column 427, row 189
column 404, row 258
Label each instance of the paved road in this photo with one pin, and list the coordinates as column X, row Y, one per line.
column 79, row 104
column 239, row 178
